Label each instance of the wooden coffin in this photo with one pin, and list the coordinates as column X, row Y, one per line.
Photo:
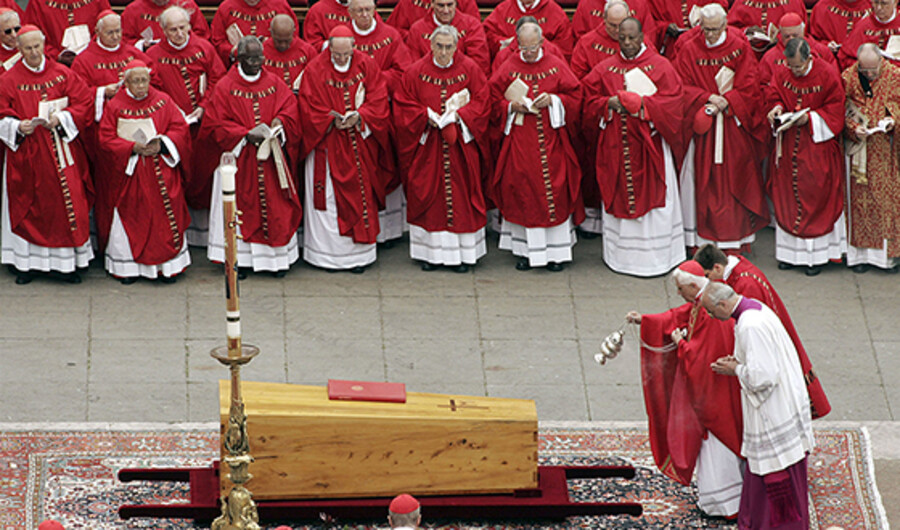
column 307, row 446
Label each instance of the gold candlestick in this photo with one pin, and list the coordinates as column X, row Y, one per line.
column 238, row 508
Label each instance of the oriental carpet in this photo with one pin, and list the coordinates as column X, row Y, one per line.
column 67, row 472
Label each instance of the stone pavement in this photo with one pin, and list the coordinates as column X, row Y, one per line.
column 104, row 352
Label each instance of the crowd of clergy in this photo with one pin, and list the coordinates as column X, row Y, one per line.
column 659, row 126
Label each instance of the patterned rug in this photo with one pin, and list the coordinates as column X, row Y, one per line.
column 67, row 472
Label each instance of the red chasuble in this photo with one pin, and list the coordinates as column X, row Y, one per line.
column 774, row 58
column 472, row 40
column 142, row 14
column 408, row 12
column 747, row 280
column 869, row 29
column 251, row 20
column 746, row 13
column 288, row 64
column 54, row 16
column 536, row 181
column 501, row 24
column 593, row 48
column 632, row 173
column 683, row 397
column 731, row 203
column 385, row 45
column 676, row 12
column 150, row 201
column 322, row 17
column 271, row 215
column 589, row 16
column 442, row 176
column 353, row 160
column 833, row 20
column 48, row 203
column 806, row 183
column 100, row 67
column 189, row 75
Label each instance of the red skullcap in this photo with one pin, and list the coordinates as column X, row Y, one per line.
column 341, row 31
column 405, row 503
column 4, row 10
column 283, row 527
column 790, row 20
column 136, row 63
column 631, row 101
column 692, row 267
column 51, row 525
column 105, row 13
column 702, row 121
column 28, row 28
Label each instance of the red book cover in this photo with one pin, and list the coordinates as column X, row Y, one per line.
column 366, row 391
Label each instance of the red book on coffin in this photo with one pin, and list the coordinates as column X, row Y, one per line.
column 366, row 391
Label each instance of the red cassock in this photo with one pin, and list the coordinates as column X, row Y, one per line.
column 472, row 39
column 833, row 20
column 869, row 29
column 288, row 64
column 442, row 177
column 48, row 206
column 271, row 215
column 189, row 75
column 385, row 45
column 501, row 24
column 251, row 20
column 408, row 12
column 633, row 185
column 322, row 17
column 150, row 201
column 353, row 161
column 142, row 14
column 683, row 397
column 806, row 184
column 730, row 197
column 676, row 12
column 774, row 58
column 537, row 178
column 589, row 16
column 593, row 48
column 54, row 16
column 747, row 280
column 746, row 13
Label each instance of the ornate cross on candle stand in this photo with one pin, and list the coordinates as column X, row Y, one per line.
column 238, row 509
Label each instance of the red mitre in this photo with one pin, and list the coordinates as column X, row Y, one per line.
column 341, row 31
column 405, row 503
column 631, row 101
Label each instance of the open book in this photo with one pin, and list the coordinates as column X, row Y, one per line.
column 638, row 82
column 881, row 127
column 517, row 91
column 760, row 38
column 46, row 110
column 358, row 101
column 725, row 80
column 140, row 130
column 892, row 48
column 76, row 38
column 453, row 104
column 788, row 119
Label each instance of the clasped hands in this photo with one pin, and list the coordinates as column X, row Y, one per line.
column 151, row 148
column 27, row 127
column 346, row 123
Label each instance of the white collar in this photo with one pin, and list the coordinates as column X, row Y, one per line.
column 539, row 57
column 39, row 69
column 5, row 47
column 522, row 8
column 729, row 266
column 893, row 16
column 808, row 69
column 102, row 47
column 249, row 78
column 342, row 69
column 361, row 32
column 439, row 66
column 132, row 95
column 183, row 46
column 641, row 52
column 718, row 42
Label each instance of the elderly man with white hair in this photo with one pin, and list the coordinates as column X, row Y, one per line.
column 142, row 24
column 722, row 188
column 65, row 24
column 9, row 27
column 694, row 414
column 146, row 174
column 45, row 224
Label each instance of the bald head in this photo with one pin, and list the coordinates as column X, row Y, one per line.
column 109, row 30
column 282, row 32
column 869, row 60
column 362, row 12
column 616, row 11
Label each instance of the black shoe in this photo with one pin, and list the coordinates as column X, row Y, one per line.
column 782, row 266
column 242, row 273
column 428, row 266
column 358, row 270
column 555, row 267
column 893, row 270
column 168, row 280
column 587, row 235
column 127, row 281
column 859, row 269
column 523, row 265
column 814, row 270
column 72, row 277
column 279, row 274
column 23, row 278
column 460, row 268
column 387, row 245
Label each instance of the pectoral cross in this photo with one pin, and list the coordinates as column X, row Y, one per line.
column 454, row 406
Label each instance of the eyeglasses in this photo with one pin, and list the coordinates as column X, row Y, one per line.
column 712, row 30
column 532, row 48
column 10, row 30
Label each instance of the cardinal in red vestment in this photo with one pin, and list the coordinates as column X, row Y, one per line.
column 790, row 27
column 408, row 12
column 589, row 16
column 241, row 18
column 9, row 52
column 882, row 25
column 500, row 25
column 440, row 114
column 286, row 53
column 472, row 39
column 636, row 98
column 831, row 21
column 721, row 178
column 746, row 279
column 323, row 17
column 756, row 14
column 346, row 121
column 694, row 415
column 535, row 100
column 56, row 17
column 140, row 19
column 254, row 115
column 807, row 168
column 144, row 176
column 675, row 19
column 46, row 184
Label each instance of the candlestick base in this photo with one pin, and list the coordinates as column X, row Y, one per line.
column 248, row 352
